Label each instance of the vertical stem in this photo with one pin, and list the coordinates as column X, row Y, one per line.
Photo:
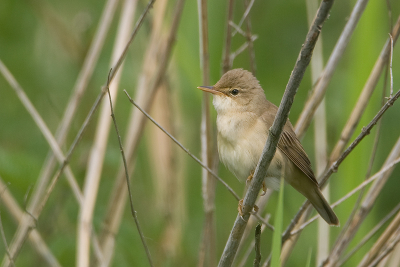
column 208, row 182
column 226, row 64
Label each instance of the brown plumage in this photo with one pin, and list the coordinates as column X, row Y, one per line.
column 244, row 116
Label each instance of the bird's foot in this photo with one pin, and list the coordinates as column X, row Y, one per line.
column 264, row 188
column 240, row 208
column 248, row 180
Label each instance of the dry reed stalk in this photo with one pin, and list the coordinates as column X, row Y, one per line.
column 147, row 85
column 381, row 242
column 319, row 91
column 274, row 133
column 226, row 61
column 35, row 239
column 320, row 136
column 28, row 223
column 394, row 259
column 252, row 54
column 168, row 191
column 96, row 157
column 207, row 254
column 365, row 95
column 394, row 240
column 366, row 206
column 370, row 234
column 119, row 193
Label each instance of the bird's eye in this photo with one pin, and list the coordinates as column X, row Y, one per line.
column 235, row 92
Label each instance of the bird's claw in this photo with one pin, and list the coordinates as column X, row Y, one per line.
column 240, row 208
column 264, row 188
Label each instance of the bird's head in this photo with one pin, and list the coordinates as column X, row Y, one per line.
column 237, row 89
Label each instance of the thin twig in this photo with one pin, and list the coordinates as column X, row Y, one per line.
column 129, row 184
column 274, row 133
column 236, row 196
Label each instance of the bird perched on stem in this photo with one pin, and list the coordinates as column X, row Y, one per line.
column 244, row 116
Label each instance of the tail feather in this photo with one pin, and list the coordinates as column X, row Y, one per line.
column 323, row 208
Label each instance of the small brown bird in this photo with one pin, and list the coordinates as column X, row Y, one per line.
column 244, row 117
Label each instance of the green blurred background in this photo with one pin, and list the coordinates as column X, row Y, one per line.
column 46, row 60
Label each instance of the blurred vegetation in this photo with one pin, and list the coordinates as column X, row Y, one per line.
column 43, row 43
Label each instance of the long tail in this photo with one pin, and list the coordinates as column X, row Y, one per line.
column 321, row 205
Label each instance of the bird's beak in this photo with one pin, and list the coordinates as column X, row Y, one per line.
column 210, row 89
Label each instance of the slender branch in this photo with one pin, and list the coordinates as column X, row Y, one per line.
column 129, row 184
column 274, row 134
column 183, row 148
column 337, row 53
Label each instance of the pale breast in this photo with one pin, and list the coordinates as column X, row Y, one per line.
column 239, row 144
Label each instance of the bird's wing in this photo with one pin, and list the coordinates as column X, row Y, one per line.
column 290, row 145
column 292, row 148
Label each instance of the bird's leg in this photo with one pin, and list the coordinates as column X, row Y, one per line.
column 248, row 180
column 264, row 187
column 240, row 207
